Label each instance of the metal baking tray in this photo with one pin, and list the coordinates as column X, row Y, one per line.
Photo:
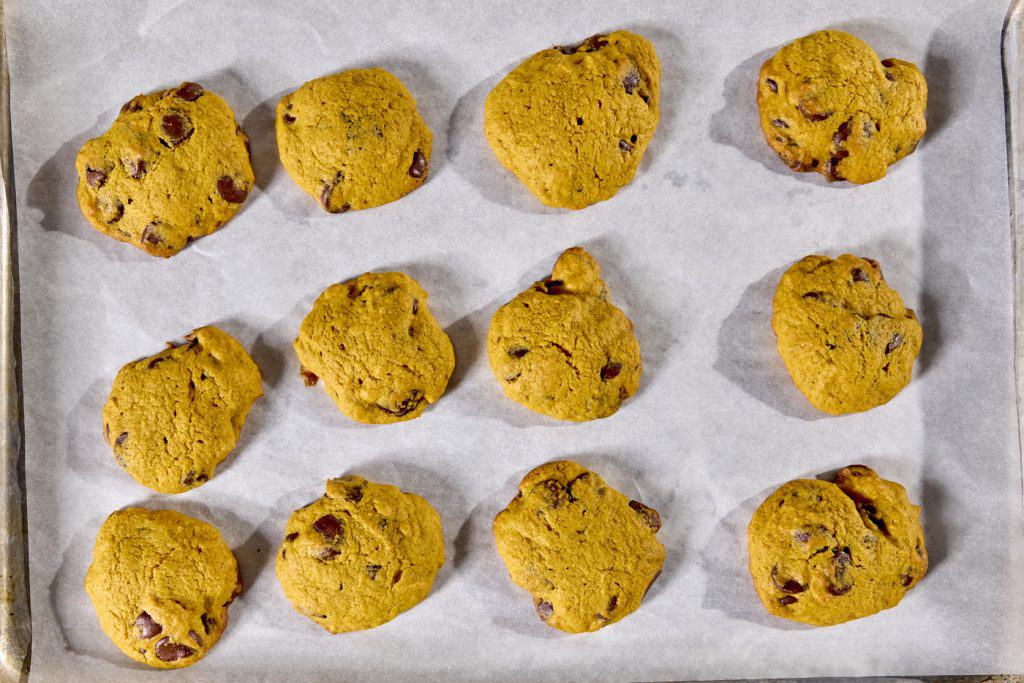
column 15, row 615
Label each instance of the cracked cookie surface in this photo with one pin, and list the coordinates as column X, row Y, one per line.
column 353, row 140
column 561, row 348
column 586, row 552
column 827, row 104
column 161, row 583
column 572, row 123
column 173, row 167
column 379, row 351
column 360, row 555
column 823, row 553
column 846, row 338
column 173, row 417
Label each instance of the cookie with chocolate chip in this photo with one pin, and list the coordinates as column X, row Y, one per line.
column 845, row 336
column 172, row 168
column 353, row 140
column 161, row 583
column 360, row 555
column 573, row 122
column 586, row 552
column 561, row 348
column 828, row 104
column 173, row 417
column 376, row 346
column 827, row 552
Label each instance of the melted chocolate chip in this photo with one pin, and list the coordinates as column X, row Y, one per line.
column 308, row 378
column 518, row 351
column 292, row 536
column 408, row 405
column 131, row 105
column 894, row 343
column 842, row 133
column 859, row 275
column 166, row 651
column 111, row 210
column 553, row 286
column 136, row 168
column 888, row 63
column 610, row 371
column 544, row 609
column 556, row 493
column 779, row 123
column 772, row 85
column 95, row 177
column 208, row 623
column 328, row 190
column 147, row 627
column 328, row 526
column 630, row 82
column 650, row 515
column 176, row 129
column 288, row 118
column 328, row 554
column 195, row 637
column 121, row 438
column 190, row 92
column 907, row 580
column 787, row 600
column 150, row 235
column 612, row 604
column 415, row 306
column 418, row 168
column 815, row 296
column 841, row 562
column 789, row 586
column 371, row 571
column 812, row 116
column 625, row 146
column 231, row 193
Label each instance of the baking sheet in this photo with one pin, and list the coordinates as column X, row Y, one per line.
column 691, row 250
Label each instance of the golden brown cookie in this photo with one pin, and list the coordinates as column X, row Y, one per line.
column 824, row 553
column 353, row 140
column 561, row 348
column 573, row 122
column 829, row 105
column 173, row 417
column 586, row 552
column 173, row 167
column 161, row 583
column 360, row 555
column 379, row 351
column 845, row 336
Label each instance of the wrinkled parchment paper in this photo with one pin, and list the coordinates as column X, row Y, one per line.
column 691, row 250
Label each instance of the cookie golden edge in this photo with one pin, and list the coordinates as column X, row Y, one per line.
column 777, row 598
column 565, row 472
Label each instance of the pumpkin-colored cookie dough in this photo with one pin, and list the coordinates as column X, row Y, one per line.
column 379, row 351
column 829, row 105
column 561, row 348
column 572, row 123
column 161, row 583
column 586, row 552
column 173, row 417
column 172, row 168
column 823, row 553
column 353, row 140
column 360, row 555
column 845, row 336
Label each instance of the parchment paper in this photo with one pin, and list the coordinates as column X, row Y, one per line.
column 692, row 250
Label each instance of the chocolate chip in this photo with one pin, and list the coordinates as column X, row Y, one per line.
column 371, row 571
column 553, row 286
column 354, row 494
column 415, row 306
column 610, row 371
column 810, row 115
column 189, row 479
column 630, row 82
column 890, row 77
column 418, row 168
column 772, row 85
column 872, row 515
column 544, row 609
column 328, row 526
column 147, row 626
column 136, row 168
column 779, row 123
column 907, row 580
column 176, row 128
column 888, row 63
column 831, row 167
column 95, row 177
column 190, row 92
column 787, row 600
column 612, row 604
column 328, row 190
column 195, row 636
column 121, row 438
column 231, row 193
column 150, row 234
column 801, row 536
column 288, row 118
column 166, row 651
column 131, row 105
column 859, row 275
column 841, row 562
column 894, row 343
column 208, row 622
column 328, row 554
column 555, row 493
column 650, row 515
column 111, row 210
column 407, row 405
column 292, row 536
column 308, row 378
column 789, row 586
column 815, row 296
column 842, row 133
column 625, row 146
column 518, row 351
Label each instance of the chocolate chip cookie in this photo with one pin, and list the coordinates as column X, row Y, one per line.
column 353, row 140
column 360, row 555
column 573, row 122
column 561, row 348
column 173, row 417
column 173, row 167
column 829, row 105
column 823, row 553
column 379, row 351
column 586, row 552
column 845, row 336
column 161, row 583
